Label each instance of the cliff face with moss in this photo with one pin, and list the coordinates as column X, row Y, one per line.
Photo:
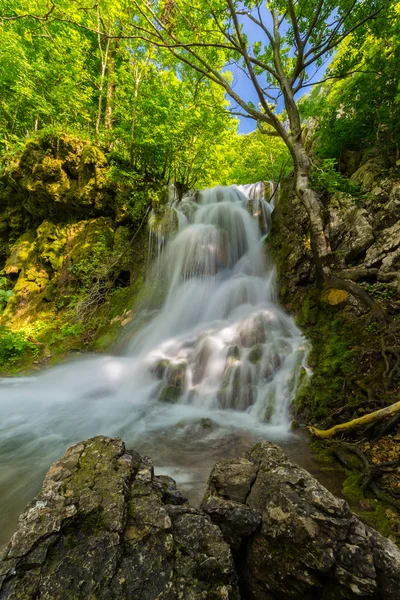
column 355, row 358
column 73, row 249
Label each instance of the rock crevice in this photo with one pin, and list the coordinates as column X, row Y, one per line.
column 105, row 527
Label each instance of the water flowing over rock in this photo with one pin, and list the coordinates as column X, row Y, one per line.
column 105, row 527
column 292, row 538
column 220, row 327
column 209, row 341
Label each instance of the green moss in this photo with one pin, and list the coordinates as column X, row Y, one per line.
column 377, row 514
column 92, row 155
column 352, row 486
column 331, row 357
column 170, row 394
column 256, row 354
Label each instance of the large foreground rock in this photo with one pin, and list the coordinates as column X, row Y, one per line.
column 292, row 538
column 104, row 527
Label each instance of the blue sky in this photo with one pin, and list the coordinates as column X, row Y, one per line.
column 243, row 86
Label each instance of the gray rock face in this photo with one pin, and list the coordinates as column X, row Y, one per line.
column 350, row 229
column 104, row 527
column 292, row 538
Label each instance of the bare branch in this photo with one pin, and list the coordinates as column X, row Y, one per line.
column 269, row 132
column 331, row 45
column 341, row 76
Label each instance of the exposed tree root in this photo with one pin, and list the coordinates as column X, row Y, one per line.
column 355, row 290
column 370, row 472
column 378, row 415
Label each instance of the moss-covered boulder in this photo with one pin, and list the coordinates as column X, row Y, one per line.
column 170, row 394
column 73, row 242
column 103, row 526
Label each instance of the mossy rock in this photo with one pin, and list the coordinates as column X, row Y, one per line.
column 170, row 394
column 175, row 374
column 256, row 354
column 92, row 155
column 21, row 253
column 50, row 243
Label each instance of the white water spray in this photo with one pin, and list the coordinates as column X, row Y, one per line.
column 215, row 368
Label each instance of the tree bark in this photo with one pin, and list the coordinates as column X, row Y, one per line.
column 108, row 116
column 310, row 200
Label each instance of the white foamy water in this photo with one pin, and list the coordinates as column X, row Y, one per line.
column 215, row 369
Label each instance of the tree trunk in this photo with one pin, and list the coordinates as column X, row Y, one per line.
column 110, row 90
column 319, row 242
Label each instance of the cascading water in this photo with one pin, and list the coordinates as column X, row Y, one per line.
column 215, row 368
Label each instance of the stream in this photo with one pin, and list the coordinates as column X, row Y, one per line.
column 213, row 371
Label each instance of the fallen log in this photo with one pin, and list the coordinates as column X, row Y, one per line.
column 378, row 415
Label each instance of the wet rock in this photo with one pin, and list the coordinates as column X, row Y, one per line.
column 176, row 374
column 292, row 538
column 159, row 368
column 103, row 526
column 233, row 354
column 237, row 398
column 256, row 354
column 170, row 394
column 201, row 357
column 252, row 330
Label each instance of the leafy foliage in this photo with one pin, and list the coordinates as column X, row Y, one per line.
column 13, row 345
column 5, row 294
column 326, row 178
column 61, row 74
column 362, row 109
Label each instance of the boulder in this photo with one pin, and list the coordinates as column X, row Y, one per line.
column 103, row 526
column 292, row 538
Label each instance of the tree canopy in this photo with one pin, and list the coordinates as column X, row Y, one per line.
column 152, row 80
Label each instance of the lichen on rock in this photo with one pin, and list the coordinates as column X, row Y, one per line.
column 292, row 539
column 104, row 526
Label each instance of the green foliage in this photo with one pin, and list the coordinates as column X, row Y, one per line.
column 157, row 117
column 5, row 294
column 378, row 290
column 362, row 109
column 14, row 345
column 325, row 178
column 70, row 329
column 250, row 158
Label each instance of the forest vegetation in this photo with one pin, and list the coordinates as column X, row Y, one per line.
column 104, row 104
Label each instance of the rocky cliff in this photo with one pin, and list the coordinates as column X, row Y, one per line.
column 103, row 526
column 72, row 250
column 355, row 357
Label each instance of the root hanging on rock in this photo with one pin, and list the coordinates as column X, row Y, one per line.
column 370, row 471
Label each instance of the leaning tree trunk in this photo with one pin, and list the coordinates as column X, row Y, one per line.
column 310, row 200
column 320, row 244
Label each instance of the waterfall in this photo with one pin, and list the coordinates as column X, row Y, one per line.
column 214, row 368
column 220, row 340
